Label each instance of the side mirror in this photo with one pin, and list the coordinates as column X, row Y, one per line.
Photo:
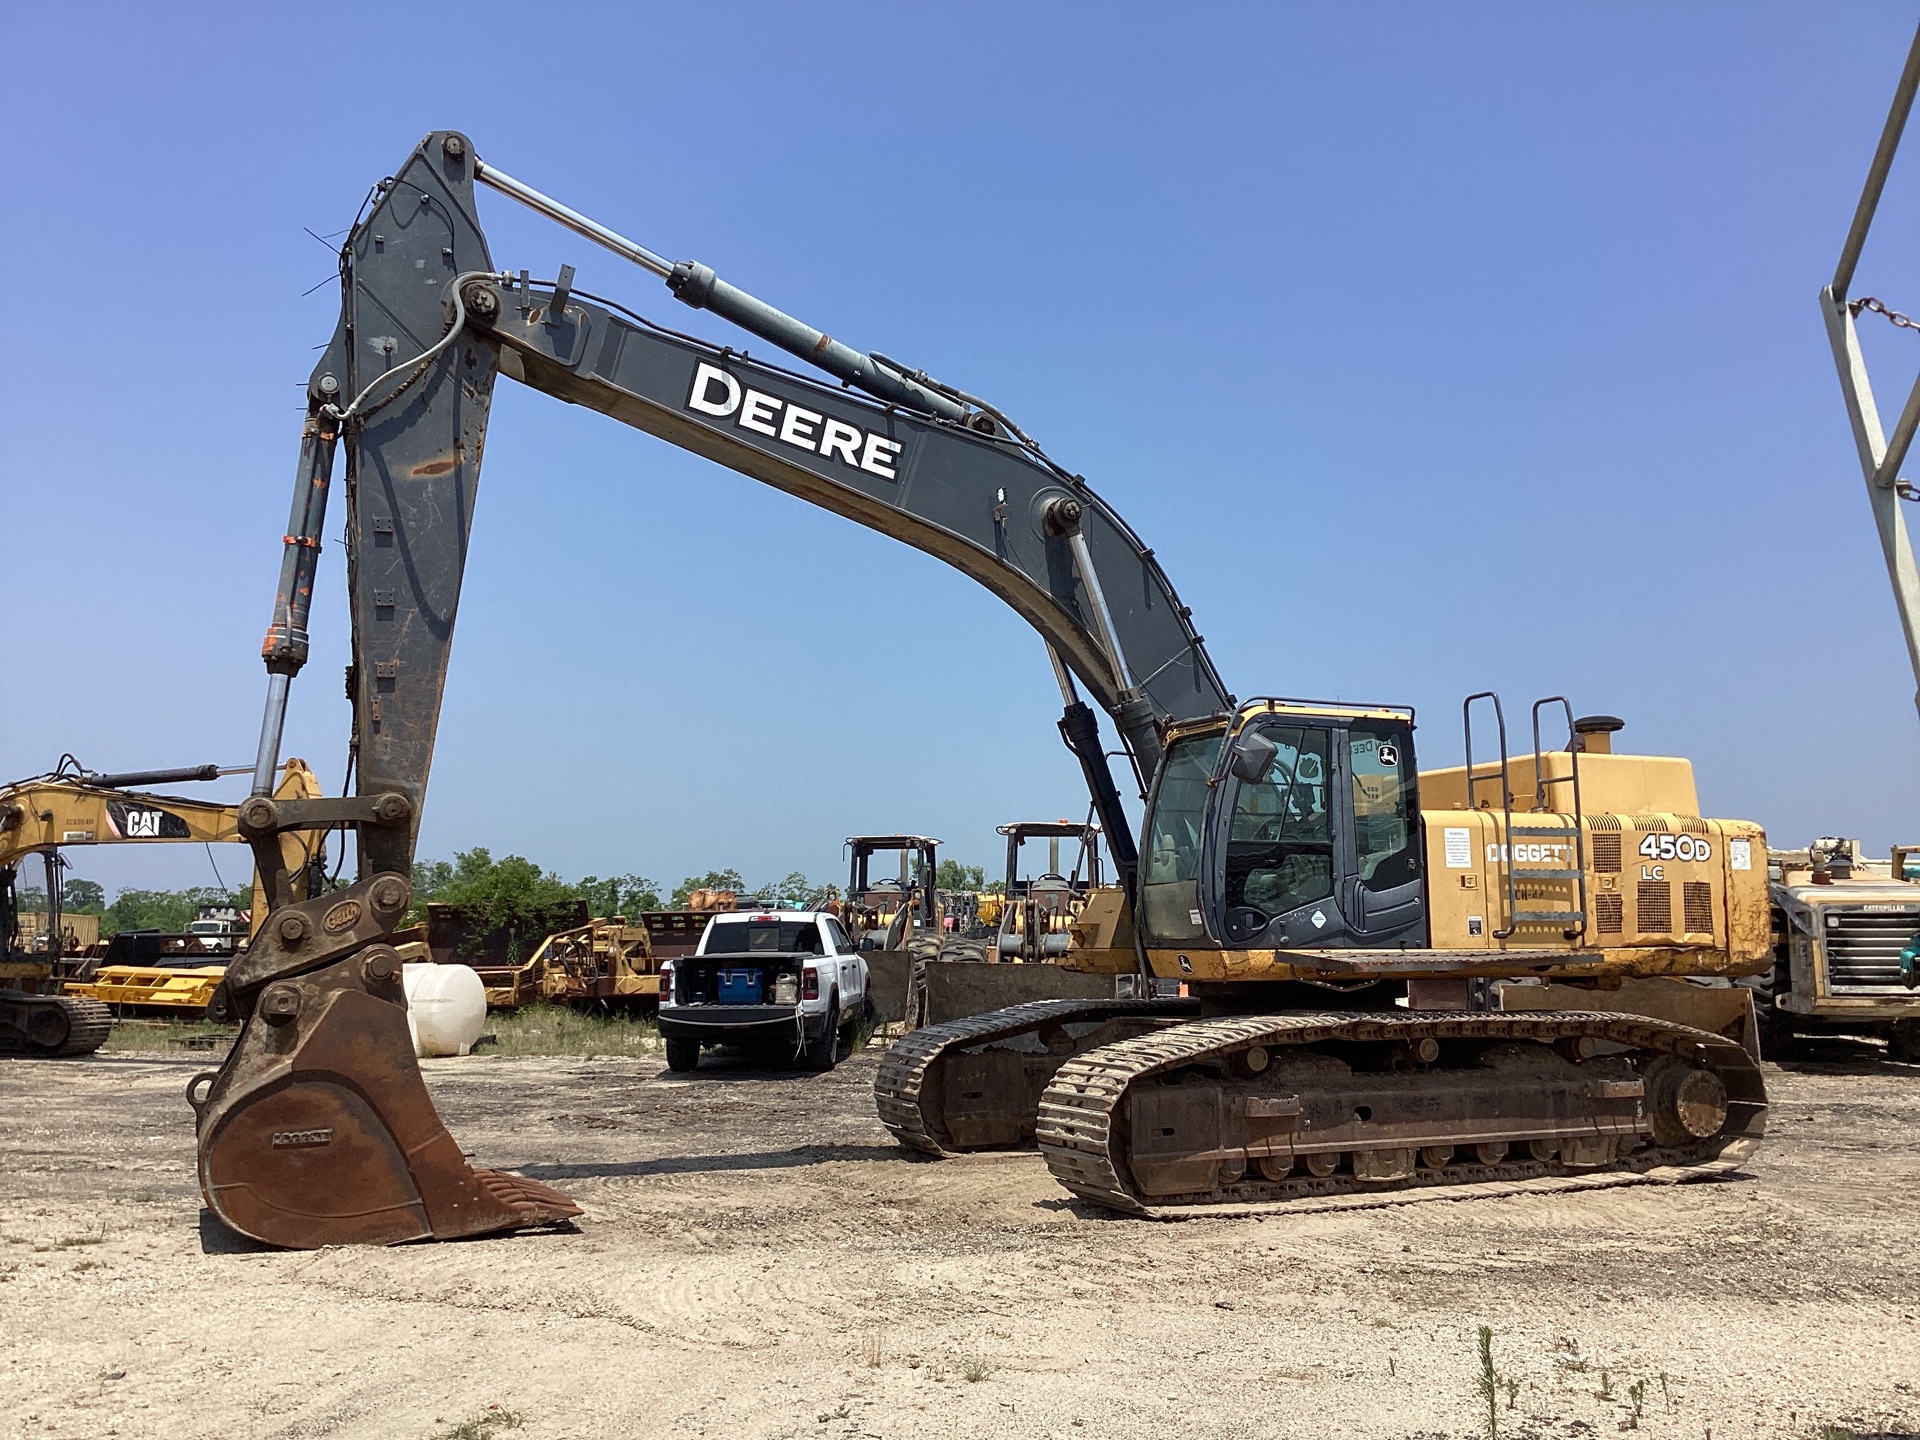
column 1253, row 756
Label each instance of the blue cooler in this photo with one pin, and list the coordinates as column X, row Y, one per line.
column 740, row 987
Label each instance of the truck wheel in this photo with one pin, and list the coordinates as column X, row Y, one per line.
column 682, row 1054
column 1775, row 1025
column 823, row 1051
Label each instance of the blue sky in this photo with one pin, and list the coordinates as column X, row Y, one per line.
column 1433, row 348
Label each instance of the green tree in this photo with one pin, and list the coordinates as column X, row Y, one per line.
column 952, row 875
column 619, row 894
column 83, row 897
column 32, row 899
column 511, row 894
column 712, row 880
column 793, row 892
column 430, row 878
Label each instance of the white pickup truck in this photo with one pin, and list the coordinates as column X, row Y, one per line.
column 785, row 978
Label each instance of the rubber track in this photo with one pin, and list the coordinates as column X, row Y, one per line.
column 1077, row 1139
column 88, row 1024
column 904, row 1068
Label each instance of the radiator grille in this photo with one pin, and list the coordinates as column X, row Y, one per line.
column 1654, row 823
column 1694, row 825
column 1863, row 947
column 1609, row 913
column 1696, row 905
column 1654, row 908
column 1606, row 852
column 1604, row 822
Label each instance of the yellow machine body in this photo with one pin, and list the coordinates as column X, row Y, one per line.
column 1660, row 890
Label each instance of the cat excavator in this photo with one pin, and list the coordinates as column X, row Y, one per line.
column 1338, row 919
column 75, row 807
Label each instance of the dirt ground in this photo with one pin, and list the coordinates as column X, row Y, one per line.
column 758, row 1259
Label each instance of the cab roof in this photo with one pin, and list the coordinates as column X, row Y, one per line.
column 1041, row 829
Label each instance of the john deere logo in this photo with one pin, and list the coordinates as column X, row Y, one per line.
column 341, row 917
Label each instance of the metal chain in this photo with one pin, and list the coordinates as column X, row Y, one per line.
column 1867, row 302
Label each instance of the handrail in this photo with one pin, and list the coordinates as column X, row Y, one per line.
column 1506, row 796
column 1542, row 780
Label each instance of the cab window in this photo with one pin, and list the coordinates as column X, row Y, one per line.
column 1383, row 828
column 1280, row 847
column 1180, row 811
column 1170, row 869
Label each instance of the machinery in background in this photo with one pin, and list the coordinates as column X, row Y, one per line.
column 1037, row 913
column 53, row 1003
column 1841, row 922
column 890, row 912
column 607, row 963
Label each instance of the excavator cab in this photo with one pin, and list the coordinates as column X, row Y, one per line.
column 1289, row 826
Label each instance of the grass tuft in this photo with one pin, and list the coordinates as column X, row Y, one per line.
column 534, row 1030
column 975, row 1368
column 1488, row 1383
column 149, row 1035
column 74, row 1242
column 557, row 1030
column 483, row 1425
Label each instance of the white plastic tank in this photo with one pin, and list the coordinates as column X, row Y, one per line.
column 446, row 1008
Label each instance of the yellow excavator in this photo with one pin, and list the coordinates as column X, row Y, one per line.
column 1466, row 980
column 52, row 1004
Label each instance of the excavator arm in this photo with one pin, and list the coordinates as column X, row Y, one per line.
column 318, row 1128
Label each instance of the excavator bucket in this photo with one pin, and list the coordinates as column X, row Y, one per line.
column 318, row 1129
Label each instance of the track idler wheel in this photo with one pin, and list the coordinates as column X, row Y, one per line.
column 318, row 1129
column 1685, row 1103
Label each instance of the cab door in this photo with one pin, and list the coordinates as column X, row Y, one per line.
column 1383, row 887
column 1277, row 838
column 1313, row 836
